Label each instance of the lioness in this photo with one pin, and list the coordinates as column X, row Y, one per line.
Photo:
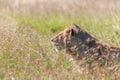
column 81, row 45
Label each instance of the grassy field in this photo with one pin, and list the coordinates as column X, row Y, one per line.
column 26, row 27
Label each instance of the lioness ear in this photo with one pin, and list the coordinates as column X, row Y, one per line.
column 72, row 32
column 76, row 26
column 75, row 29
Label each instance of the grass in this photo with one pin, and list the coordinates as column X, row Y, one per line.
column 29, row 55
column 105, row 27
column 44, row 25
column 26, row 52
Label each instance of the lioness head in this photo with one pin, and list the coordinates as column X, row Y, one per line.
column 72, row 39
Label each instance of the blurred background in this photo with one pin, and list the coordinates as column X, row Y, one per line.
column 26, row 27
column 66, row 7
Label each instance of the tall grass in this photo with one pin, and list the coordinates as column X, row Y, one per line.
column 26, row 27
column 103, row 28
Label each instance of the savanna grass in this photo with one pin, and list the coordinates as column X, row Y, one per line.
column 25, row 49
column 28, row 54
column 104, row 28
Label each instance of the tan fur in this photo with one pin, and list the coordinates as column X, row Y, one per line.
column 81, row 45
